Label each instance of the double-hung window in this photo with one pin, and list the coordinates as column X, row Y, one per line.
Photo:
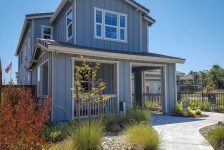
column 46, row 32
column 69, row 24
column 110, row 25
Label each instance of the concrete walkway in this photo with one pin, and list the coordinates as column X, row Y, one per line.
column 183, row 133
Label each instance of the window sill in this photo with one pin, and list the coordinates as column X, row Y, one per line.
column 111, row 40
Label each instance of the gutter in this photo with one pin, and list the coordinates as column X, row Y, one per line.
column 78, row 51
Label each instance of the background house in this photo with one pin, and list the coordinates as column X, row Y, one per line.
column 188, row 82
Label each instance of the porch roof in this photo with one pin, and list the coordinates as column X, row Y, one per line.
column 69, row 48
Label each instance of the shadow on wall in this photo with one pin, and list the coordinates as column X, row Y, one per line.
column 158, row 119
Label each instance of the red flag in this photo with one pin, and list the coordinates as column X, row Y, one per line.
column 8, row 68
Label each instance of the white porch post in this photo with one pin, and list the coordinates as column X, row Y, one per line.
column 164, row 89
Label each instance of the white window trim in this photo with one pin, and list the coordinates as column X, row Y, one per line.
column 125, row 28
column 103, row 35
column 42, row 31
column 71, row 23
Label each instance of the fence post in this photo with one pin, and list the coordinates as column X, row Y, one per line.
column 0, row 81
column 202, row 98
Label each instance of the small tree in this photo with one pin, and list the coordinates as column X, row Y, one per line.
column 85, row 76
column 209, row 85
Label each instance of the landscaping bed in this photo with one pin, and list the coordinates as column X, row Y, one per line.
column 215, row 135
column 129, row 132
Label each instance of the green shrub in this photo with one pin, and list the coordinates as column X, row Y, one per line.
column 179, row 109
column 152, row 105
column 112, row 122
column 188, row 112
column 59, row 132
column 87, row 137
column 216, row 136
column 142, row 135
column 193, row 104
column 205, row 106
column 198, row 112
column 137, row 115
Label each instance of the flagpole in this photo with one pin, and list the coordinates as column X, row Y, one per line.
column 11, row 73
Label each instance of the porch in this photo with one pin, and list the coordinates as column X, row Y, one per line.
column 108, row 72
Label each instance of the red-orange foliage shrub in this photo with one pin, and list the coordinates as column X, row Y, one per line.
column 22, row 120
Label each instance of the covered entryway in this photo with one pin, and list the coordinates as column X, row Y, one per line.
column 148, row 87
column 153, row 86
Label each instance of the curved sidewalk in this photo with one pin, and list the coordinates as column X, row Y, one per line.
column 183, row 133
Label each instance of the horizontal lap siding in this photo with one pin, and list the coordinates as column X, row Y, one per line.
column 85, row 24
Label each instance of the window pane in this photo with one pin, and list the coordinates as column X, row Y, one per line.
column 47, row 30
column 99, row 16
column 69, row 17
column 69, row 30
column 122, row 21
column 110, row 19
column 111, row 32
column 47, row 36
column 122, row 34
column 98, row 30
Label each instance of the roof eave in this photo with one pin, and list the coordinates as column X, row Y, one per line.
column 146, row 11
column 78, row 51
column 26, row 21
column 21, row 36
column 58, row 10
column 150, row 20
column 63, row 2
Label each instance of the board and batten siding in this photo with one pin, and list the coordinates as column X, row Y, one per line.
column 85, row 25
column 59, row 25
column 170, row 88
column 25, row 51
column 124, row 83
column 37, row 23
column 62, row 84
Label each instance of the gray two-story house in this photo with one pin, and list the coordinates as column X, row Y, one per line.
column 112, row 32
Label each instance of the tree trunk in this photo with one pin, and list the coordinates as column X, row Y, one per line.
column 77, row 105
column 101, row 111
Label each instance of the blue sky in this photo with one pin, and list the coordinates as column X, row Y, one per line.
column 191, row 29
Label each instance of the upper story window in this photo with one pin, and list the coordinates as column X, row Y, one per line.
column 46, row 32
column 69, row 24
column 110, row 25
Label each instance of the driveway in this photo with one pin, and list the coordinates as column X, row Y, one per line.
column 183, row 133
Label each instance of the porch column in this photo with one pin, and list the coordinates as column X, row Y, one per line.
column 138, row 87
column 163, row 88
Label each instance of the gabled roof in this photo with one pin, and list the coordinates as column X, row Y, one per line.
column 26, row 24
column 131, row 2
